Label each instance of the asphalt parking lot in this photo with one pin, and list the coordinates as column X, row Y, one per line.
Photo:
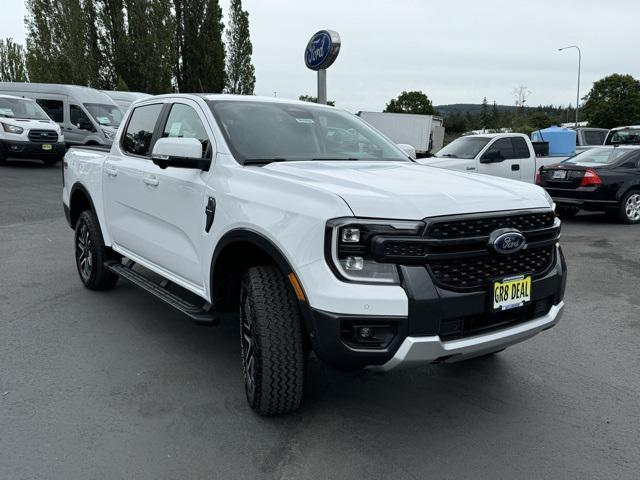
column 116, row 385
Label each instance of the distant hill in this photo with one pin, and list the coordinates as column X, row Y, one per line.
column 472, row 108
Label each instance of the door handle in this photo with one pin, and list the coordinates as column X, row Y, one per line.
column 515, row 167
column 112, row 172
column 151, row 180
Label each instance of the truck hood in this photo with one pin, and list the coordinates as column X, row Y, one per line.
column 404, row 190
column 459, row 164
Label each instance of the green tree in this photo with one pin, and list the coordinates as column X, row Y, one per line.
column 200, row 60
column 139, row 42
column 613, row 101
column 13, row 66
column 241, row 77
column 312, row 99
column 61, row 36
column 494, row 116
column 484, row 113
column 411, row 102
column 456, row 123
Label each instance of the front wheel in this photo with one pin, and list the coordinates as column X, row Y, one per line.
column 273, row 350
column 91, row 254
column 629, row 211
column 567, row 212
column 50, row 162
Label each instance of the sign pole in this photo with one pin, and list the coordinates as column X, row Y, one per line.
column 322, row 86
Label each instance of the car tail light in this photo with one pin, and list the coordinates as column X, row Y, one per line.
column 590, row 178
column 539, row 177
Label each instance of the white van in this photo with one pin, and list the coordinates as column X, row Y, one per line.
column 27, row 132
column 86, row 116
column 124, row 99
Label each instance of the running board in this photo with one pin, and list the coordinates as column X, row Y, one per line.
column 204, row 315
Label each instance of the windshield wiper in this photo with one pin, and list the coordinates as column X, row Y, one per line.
column 262, row 161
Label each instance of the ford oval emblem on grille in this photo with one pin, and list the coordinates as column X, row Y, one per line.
column 506, row 241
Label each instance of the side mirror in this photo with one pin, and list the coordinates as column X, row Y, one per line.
column 179, row 153
column 408, row 149
column 491, row 156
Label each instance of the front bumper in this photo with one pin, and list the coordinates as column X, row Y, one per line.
column 419, row 350
column 17, row 149
column 437, row 325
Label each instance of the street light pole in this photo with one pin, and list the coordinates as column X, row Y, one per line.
column 579, row 63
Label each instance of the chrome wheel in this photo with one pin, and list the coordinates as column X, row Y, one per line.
column 248, row 347
column 83, row 252
column 632, row 207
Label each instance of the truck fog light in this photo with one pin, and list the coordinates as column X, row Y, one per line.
column 354, row 263
column 366, row 333
column 350, row 235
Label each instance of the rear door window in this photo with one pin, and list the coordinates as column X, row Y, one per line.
column 520, row 148
column 504, row 147
column 53, row 108
column 137, row 137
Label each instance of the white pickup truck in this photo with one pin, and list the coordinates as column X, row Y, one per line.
column 316, row 233
column 506, row 155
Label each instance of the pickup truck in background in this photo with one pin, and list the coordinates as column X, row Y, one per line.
column 315, row 233
column 506, row 155
column 624, row 136
column 588, row 137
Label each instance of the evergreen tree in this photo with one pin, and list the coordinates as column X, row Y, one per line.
column 62, row 41
column 200, row 61
column 240, row 71
column 139, row 38
column 411, row 102
column 494, row 117
column 484, row 113
column 13, row 67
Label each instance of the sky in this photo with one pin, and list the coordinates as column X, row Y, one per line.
column 456, row 51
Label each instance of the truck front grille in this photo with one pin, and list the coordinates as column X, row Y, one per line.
column 43, row 136
column 477, row 272
column 479, row 225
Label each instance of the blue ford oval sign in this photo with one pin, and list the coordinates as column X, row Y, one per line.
column 322, row 50
column 507, row 242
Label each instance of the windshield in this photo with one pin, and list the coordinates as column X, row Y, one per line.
column 628, row 136
column 266, row 131
column 597, row 156
column 464, row 147
column 105, row 115
column 23, row 109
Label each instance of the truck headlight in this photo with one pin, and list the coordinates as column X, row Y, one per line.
column 349, row 244
column 12, row 129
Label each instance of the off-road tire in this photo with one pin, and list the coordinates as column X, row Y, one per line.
column 271, row 339
column 89, row 246
column 627, row 213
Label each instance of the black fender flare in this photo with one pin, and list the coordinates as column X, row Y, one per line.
column 257, row 239
column 74, row 189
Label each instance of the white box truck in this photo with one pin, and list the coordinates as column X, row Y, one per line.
column 425, row 133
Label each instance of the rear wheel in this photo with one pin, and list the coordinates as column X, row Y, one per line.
column 273, row 350
column 567, row 212
column 91, row 254
column 629, row 210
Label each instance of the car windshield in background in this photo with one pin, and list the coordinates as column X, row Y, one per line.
column 23, row 109
column 626, row 136
column 598, row 156
column 105, row 115
column 263, row 131
column 464, row 147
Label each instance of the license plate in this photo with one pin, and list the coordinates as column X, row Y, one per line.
column 46, row 146
column 512, row 292
column 559, row 174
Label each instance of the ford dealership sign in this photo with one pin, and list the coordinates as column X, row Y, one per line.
column 322, row 50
